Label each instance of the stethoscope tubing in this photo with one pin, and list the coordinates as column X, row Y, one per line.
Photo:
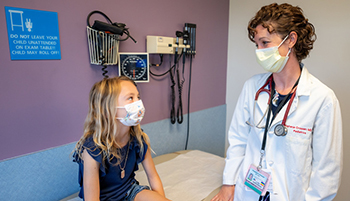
column 262, row 89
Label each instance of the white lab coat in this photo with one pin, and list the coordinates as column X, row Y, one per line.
column 305, row 164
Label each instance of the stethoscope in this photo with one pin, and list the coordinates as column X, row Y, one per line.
column 280, row 129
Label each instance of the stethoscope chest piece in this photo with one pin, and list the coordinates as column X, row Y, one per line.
column 281, row 130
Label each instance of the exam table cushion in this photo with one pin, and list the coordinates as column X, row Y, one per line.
column 189, row 175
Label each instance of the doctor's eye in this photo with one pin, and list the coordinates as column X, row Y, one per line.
column 265, row 43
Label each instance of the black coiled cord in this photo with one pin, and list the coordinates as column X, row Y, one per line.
column 180, row 86
column 172, row 111
column 104, row 70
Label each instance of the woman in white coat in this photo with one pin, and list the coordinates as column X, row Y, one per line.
column 286, row 129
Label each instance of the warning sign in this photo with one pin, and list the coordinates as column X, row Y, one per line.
column 32, row 34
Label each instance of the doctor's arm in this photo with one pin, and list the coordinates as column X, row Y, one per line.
column 237, row 138
column 327, row 154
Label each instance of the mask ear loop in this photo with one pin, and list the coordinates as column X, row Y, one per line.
column 290, row 49
column 285, row 38
column 119, row 107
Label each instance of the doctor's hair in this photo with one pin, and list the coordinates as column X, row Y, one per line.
column 101, row 122
column 283, row 19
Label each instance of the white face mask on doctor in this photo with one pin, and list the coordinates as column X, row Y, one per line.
column 270, row 58
column 134, row 113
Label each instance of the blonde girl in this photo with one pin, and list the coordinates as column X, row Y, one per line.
column 113, row 145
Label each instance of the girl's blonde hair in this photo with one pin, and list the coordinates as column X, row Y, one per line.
column 101, row 122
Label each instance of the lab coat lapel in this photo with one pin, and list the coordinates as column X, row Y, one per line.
column 262, row 102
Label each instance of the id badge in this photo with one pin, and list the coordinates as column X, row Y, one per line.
column 257, row 180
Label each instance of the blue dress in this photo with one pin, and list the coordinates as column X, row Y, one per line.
column 112, row 186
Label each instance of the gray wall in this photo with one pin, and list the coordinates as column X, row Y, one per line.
column 328, row 60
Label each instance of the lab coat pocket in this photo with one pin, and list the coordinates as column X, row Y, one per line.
column 298, row 160
column 243, row 193
column 299, row 151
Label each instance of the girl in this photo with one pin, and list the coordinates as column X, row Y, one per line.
column 113, row 145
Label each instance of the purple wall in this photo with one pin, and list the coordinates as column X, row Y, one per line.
column 44, row 103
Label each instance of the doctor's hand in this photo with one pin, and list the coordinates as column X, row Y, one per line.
column 226, row 193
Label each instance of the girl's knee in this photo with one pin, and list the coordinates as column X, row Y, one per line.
column 149, row 195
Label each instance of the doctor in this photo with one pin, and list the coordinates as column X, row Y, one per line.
column 286, row 131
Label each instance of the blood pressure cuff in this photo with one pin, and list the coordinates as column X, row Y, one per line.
column 103, row 26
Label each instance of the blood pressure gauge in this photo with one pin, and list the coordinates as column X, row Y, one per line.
column 135, row 66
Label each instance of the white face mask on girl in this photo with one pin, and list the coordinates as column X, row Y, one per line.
column 270, row 58
column 134, row 113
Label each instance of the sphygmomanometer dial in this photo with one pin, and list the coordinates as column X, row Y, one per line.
column 134, row 66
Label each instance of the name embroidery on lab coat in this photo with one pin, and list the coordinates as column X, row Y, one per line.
column 300, row 130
